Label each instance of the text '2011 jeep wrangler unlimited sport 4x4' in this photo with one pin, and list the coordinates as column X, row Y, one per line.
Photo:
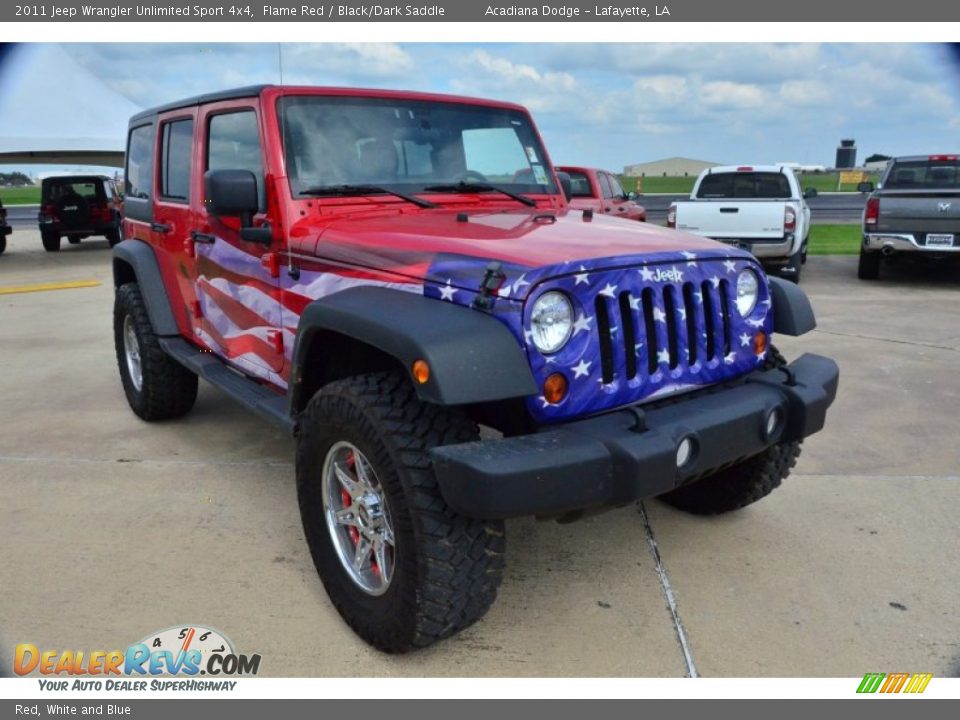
column 383, row 272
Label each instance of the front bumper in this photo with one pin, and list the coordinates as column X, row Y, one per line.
column 631, row 454
column 902, row 242
column 5, row 229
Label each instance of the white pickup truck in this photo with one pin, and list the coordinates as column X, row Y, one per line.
column 760, row 208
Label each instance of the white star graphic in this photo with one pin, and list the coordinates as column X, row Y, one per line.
column 716, row 281
column 658, row 315
column 689, row 256
column 683, row 313
column 730, row 359
column 663, row 357
column 646, row 274
column 634, row 303
column 582, row 276
column 730, row 266
column 581, row 370
column 637, row 347
column 545, row 403
column 744, row 340
column 698, row 296
column 755, row 323
column 610, row 290
column 447, row 292
column 582, row 323
column 766, row 303
column 504, row 291
column 520, row 282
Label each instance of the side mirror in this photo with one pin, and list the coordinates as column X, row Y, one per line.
column 632, row 196
column 233, row 193
column 565, row 184
column 865, row 187
column 810, row 192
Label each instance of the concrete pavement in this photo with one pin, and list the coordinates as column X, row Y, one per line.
column 114, row 528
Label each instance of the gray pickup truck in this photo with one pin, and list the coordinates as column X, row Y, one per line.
column 915, row 208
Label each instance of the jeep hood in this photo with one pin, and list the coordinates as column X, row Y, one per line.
column 422, row 244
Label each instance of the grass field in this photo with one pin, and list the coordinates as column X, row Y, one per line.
column 823, row 182
column 20, row 196
column 835, row 239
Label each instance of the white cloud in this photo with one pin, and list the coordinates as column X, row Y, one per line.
column 725, row 94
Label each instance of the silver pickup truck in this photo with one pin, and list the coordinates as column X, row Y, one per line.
column 915, row 208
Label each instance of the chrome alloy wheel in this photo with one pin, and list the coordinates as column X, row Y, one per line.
column 358, row 518
column 131, row 350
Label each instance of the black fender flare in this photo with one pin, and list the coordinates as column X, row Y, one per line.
column 792, row 311
column 139, row 257
column 473, row 357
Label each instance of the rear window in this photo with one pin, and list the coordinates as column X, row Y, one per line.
column 924, row 174
column 175, row 157
column 89, row 190
column 580, row 184
column 745, row 185
column 139, row 171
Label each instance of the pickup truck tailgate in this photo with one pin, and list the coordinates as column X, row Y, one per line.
column 930, row 212
column 747, row 219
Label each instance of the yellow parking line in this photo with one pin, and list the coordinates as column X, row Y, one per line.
column 42, row 287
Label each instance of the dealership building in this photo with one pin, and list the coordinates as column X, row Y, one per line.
column 669, row 167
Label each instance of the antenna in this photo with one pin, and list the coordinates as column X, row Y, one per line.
column 291, row 270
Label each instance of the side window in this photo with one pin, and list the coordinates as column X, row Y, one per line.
column 616, row 187
column 233, row 143
column 605, row 185
column 139, row 170
column 175, row 160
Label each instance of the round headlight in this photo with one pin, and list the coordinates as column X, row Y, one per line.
column 748, row 288
column 551, row 321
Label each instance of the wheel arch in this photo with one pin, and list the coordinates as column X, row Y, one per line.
column 134, row 261
column 473, row 357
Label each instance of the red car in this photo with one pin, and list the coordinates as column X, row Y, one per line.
column 600, row 191
column 380, row 273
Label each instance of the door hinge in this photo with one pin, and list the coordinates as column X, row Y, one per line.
column 271, row 263
column 275, row 337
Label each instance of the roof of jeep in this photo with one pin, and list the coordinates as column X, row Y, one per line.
column 255, row 90
column 55, row 179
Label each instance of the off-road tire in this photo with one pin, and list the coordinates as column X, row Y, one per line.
column 795, row 262
column 3, row 243
column 115, row 234
column 168, row 390
column 51, row 241
column 447, row 567
column 869, row 265
column 737, row 486
column 744, row 483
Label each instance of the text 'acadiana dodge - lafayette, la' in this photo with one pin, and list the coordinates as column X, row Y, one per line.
column 381, row 273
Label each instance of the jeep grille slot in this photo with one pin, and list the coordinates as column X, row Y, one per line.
column 670, row 310
column 606, row 340
column 725, row 315
column 706, row 290
column 651, row 330
column 689, row 305
column 629, row 335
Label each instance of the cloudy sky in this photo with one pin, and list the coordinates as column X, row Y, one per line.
column 603, row 104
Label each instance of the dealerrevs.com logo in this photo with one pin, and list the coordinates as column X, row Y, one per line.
column 185, row 651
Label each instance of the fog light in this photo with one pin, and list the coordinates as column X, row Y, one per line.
column 773, row 422
column 685, row 451
column 759, row 343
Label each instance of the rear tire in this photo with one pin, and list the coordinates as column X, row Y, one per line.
column 869, row 266
column 791, row 271
column 444, row 568
column 157, row 386
column 50, row 240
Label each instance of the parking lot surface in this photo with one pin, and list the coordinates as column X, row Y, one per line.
column 114, row 528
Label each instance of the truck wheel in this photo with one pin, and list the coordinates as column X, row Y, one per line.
column 737, row 486
column 869, row 267
column 401, row 567
column 115, row 234
column 3, row 243
column 156, row 385
column 791, row 271
column 51, row 241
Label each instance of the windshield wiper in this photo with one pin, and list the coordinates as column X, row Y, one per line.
column 348, row 190
column 480, row 187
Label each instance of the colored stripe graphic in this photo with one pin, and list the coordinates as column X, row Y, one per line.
column 914, row 683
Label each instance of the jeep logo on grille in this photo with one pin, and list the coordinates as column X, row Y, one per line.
column 71, row 207
column 944, row 207
column 662, row 274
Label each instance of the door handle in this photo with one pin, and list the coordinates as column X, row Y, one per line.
column 729, row 210
column 199, row 237
column 160, row 227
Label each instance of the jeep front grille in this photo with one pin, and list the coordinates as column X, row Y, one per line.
column 641, row 329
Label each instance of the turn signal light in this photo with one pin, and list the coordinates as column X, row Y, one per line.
column 759, row 343
column 872, row 212
column 555, row 388
column 421, row 371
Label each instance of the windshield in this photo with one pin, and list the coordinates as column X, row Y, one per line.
column 746, row 185
column 924, row 174
column 408, row 145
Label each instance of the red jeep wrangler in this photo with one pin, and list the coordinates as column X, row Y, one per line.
column 78, row 206
column 600, row 191
column 381, row 273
